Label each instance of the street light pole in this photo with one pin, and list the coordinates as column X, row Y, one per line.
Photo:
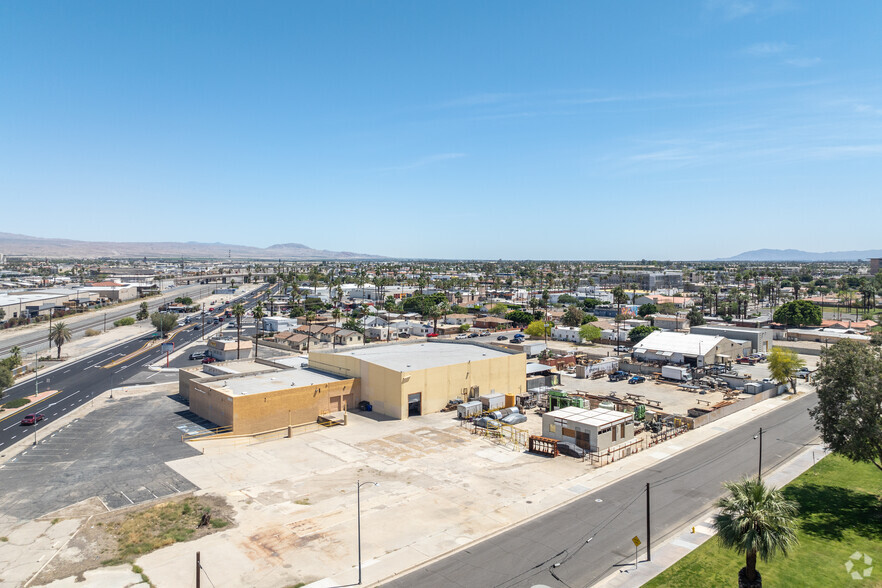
column 358, row 486
column 759, row 436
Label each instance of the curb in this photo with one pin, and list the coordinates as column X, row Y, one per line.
column 531, row 518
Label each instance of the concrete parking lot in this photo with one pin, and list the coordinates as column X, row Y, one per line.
column 116, row 452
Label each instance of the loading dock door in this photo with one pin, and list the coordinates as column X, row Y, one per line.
column 414, row 404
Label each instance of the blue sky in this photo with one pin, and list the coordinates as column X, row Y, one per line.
column 562, row 130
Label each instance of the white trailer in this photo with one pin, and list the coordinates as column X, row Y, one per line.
column 675, row 372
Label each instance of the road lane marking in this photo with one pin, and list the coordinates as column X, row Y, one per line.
column 126, row 497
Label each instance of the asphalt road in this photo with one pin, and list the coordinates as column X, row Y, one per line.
column 83, row 379
column 36, row 339
column 681, row 488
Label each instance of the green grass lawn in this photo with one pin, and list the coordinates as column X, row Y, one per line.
column 840, row 514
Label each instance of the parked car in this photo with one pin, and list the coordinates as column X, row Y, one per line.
column 502, row 338
column 473, row 335
column 746, row 361
column 208, row 360
column 196, row 328
column 622, row 349
column 432, row 335
column 211, row 309
column 404, row 335
column 32, row 419
column 636, row 380
column 571, row 449
column 462, row 336
column 803, row 373
column 197, row 355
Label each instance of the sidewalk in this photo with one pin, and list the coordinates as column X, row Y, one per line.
column 460, row 535
column 693, row 535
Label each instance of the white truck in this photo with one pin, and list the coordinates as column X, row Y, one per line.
column 674, row 372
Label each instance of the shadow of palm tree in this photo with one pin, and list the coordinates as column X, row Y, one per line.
column 826, row 511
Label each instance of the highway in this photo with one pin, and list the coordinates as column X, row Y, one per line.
column 81, row 380
column 591, row 537
column 37, row 338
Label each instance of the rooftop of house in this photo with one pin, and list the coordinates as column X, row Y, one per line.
column 673, row 342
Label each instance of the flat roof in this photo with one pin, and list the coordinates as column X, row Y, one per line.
column 418, row 356
column 674, row 342
column 271, row 381
column 595, row 418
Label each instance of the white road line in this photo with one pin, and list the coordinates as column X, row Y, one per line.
column 10, row 426
column 126, row 497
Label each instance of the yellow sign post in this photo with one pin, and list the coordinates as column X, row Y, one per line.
column 636, row 541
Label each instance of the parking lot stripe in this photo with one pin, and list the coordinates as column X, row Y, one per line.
column 126, row 497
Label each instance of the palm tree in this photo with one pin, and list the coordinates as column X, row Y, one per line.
column 238, row 311
column 755, row 520
column 258, row 316
column 59, row 334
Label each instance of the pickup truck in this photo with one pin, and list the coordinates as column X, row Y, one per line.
column 746, row 360
column 618, row 376
column 803, row 373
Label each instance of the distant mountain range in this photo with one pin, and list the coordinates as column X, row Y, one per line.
column 797, row 255
column 24, row 245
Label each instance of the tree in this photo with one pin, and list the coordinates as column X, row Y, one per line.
column 695, row 317
column 590, row 332
column 619, row 298
column 6, row 380
column 143, row 312
column 258, row 314
column 567, row 299
column 238, row 312
column 589, row 318
column 59, row 334
column 755, row 520
column 667, row 308
column 310, row 316
column 849, row 409
column 798, row 313
column 640, row 333
column 573, row 316
column 499, row 309
column 13, row 360
column 164, row 321
column 648, row 308
column 464, row 327
column 185, row 300
column 519, row 317
column 783, row 363
column 539, row 328
column 591, row 303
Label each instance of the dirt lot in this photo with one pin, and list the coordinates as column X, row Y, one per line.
column 119, row 536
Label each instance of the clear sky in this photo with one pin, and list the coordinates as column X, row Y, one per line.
column 568, row 130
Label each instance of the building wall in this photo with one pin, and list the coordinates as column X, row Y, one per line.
column 387, row 390
column 439, row 385
column 254, row 413
column 760, row 339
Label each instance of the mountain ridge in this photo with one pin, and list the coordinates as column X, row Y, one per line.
column 803, row 256
column 12, row 244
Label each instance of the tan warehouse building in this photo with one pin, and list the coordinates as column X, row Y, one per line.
column 401, row 380
column 269, row 400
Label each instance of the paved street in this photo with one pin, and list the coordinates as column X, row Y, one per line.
column 117, row 453
column 81, row 380
column 682, row 486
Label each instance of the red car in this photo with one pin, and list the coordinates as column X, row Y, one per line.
column 208, row 360
column 211, row 309
column 432, row 335
column 32, row 419
column 746, row 360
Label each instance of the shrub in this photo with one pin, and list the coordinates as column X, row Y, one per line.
column 124, row 322
column 17, row 403
column 92, row 332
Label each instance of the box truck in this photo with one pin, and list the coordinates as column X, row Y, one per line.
column 674, row 372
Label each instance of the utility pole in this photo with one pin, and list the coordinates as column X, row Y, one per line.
column 648, row 536
column 198, row 570
column 759, row 475
column 203, row 321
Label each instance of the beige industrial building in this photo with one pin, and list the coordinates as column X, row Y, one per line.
column 256, row 396
column 401, row 380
